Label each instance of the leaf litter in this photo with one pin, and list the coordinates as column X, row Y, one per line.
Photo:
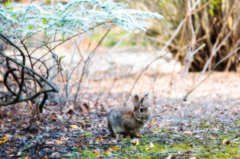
column 207, row 125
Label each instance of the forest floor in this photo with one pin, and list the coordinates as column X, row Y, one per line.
column 207, row 125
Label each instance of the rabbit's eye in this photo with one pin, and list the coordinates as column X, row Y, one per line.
column 141, row 109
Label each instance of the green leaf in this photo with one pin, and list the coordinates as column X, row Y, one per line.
column 29, row 27
column 27, row 41
column 45, row 21
column 7, row 3
column 215, row 2
column 211, row 12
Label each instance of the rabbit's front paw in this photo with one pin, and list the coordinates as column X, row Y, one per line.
column 127, row 136
column 112, row 135
column 136, row 134
column 139, row 136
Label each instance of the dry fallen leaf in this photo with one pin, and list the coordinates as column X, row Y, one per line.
column 55, row 154
column 187, row 132
column 151, row 145
column 114, row 141
column 64, row 138
column 79, row 149
column 135, row 141
column 8, row 135
column 96, row 151
column 99, row 155
column 59, row 142
column 152, row 122
column 197, row 136
column 97, row 140
column 49, row 142
column 75, row 126
column 19, row 153
column 3, row 140
column 108, row 153
column 115, row 148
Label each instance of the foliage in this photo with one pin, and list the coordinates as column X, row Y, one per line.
column 78, row 15
column 20, row 22
column 213, row 22
column 205, row 142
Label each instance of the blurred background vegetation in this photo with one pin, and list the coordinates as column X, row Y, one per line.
column 213, row 22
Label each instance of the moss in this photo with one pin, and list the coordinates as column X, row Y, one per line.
column 205, row 120
column 208, row 144
column 205, row 126
column 86, row 134
column 88, row 154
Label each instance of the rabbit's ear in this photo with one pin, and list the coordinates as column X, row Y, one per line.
column 144, row 100
column 136, row 102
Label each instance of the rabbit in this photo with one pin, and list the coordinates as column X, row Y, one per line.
column 128, row 121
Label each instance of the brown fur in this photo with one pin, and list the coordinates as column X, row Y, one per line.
column 128, row 121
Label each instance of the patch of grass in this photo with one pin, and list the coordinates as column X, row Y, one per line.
column 207, row 144
column 205, row 120
column 204, row 126
column 86, row 134
column 88, row 154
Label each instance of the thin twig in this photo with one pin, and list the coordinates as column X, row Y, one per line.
column 190, row 91
column 130, row 92
column 87, row 63
column 64, row 42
